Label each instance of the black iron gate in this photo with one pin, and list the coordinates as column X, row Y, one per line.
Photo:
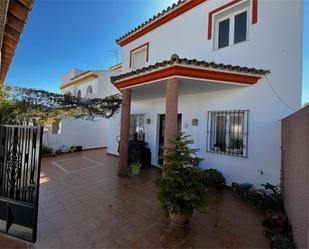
column 20, row 162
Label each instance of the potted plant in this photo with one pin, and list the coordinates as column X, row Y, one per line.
column 73, row 148
column 79, row 148
column 136, row 165
column 219, row 147
column 213, row 179
column 47, row 151
column 181, row 188
column 237, row 146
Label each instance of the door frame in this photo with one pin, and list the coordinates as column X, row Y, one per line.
column 159, row 116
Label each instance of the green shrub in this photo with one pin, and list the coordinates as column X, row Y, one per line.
column 46, row 150
column 282, row 242
column 181, row 188
column 268, row 198
column 272, row 198
column 212, row 178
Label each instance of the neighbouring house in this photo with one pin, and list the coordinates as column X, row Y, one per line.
column 225, row 72
column 89, row 134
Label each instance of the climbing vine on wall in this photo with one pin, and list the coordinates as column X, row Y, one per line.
column 25, row 105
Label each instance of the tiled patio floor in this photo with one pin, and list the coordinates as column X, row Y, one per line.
column 93, row 208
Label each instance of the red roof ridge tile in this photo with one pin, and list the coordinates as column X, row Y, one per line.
column 191, row 62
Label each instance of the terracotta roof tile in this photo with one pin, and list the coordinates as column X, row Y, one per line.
column 175, row 60
column 16, row 15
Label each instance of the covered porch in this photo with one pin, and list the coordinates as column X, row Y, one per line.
column 170, row 80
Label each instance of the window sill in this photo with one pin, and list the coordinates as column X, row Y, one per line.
column 232, row 45
column 227, row 153
column 132, row 69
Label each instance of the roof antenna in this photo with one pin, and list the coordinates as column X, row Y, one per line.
column 115, row 52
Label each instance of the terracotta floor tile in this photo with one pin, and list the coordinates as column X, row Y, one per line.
column 93, row 208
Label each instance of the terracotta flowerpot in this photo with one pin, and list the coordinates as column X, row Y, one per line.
column 181, row 219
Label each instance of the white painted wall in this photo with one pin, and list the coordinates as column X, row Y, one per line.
column 113, row 133
column 53, row 141
column 275, row 43
column 89, row 134
column 264, row 130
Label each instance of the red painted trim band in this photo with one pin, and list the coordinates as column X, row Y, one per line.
column 255, row 11
column 137, row 48
column 180, row 11
column 211, row 13
column 191, row 73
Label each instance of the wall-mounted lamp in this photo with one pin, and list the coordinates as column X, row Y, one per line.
column 261, row 172
column 195, row 122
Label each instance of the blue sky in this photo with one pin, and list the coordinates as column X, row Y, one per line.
column 63, row 34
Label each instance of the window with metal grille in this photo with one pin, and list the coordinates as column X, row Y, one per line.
column 228, row 132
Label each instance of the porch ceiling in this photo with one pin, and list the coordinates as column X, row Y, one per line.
column 186, row 86
column 189, row 69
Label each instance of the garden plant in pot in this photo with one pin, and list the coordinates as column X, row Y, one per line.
column 237, row 146
column 181, row 188
column 213, row 179
column 136, row 165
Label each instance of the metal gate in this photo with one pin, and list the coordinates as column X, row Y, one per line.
column 20, row 162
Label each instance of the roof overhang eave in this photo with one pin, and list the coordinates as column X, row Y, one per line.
column 189, row 72
column 17, row 14
column 83, row 77
column 161, row 18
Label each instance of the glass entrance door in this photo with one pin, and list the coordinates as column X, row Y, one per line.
column 161, row 135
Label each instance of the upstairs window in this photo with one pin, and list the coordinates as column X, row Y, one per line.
column 139, row 57
column 228, row 132
column 231, row 28
column 240, row 27
column 224, row 33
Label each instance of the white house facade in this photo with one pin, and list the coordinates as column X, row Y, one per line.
column 89, row 134
column 225, row 72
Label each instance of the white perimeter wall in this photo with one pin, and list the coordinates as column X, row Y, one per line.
column 89, row 134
